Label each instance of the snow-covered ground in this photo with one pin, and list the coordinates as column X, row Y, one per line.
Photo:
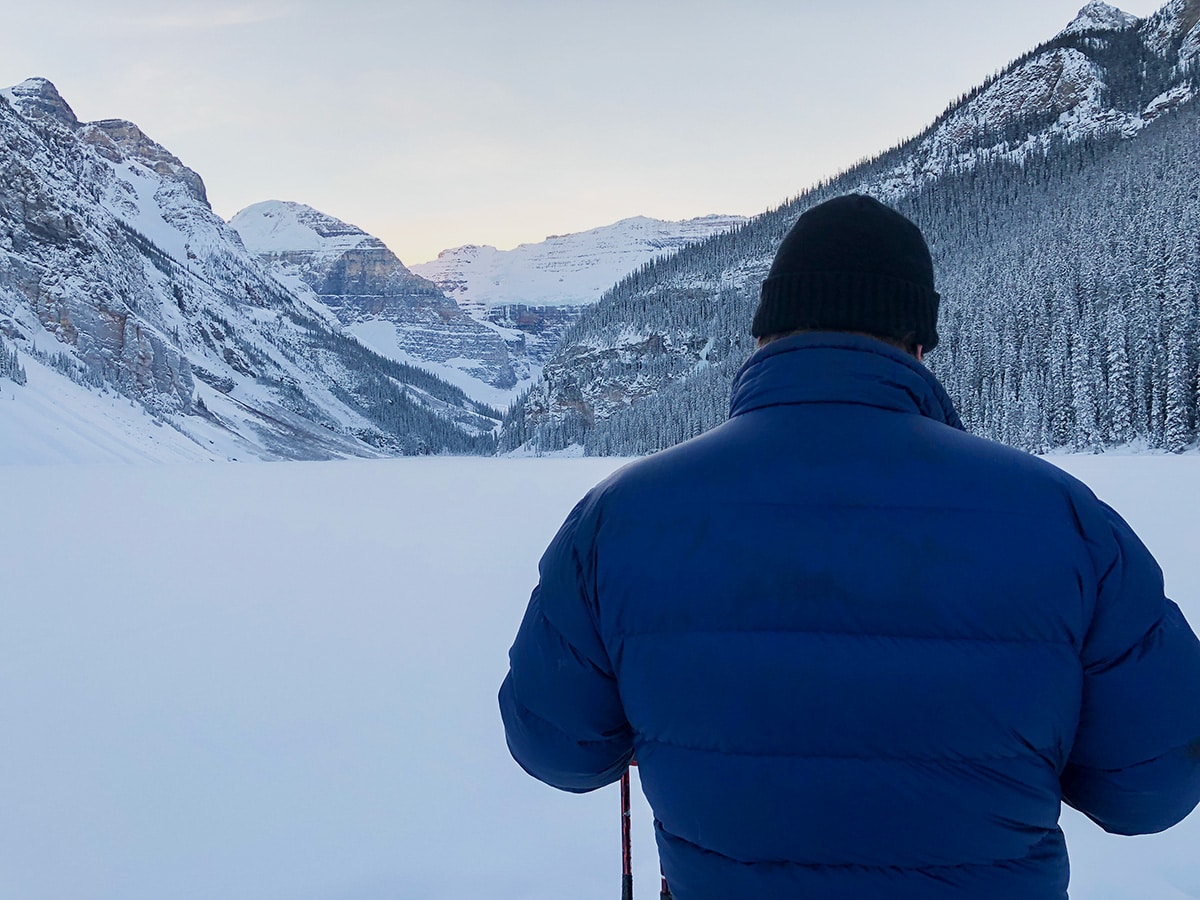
column 54, row 420
column 277, row 682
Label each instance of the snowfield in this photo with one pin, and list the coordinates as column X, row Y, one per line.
column 277, row 682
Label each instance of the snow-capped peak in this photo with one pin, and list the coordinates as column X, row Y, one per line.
column 38, row 98
column 564, row 269
column 1099, row 16
column 279, row 226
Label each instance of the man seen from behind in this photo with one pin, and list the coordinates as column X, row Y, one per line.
column 857, row 652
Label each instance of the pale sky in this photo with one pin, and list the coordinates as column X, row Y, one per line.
column 436, row 123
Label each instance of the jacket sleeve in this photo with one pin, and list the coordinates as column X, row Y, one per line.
column 1135, row 764
column 563, row 717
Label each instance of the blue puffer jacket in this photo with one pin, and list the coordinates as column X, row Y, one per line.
column 858, row 652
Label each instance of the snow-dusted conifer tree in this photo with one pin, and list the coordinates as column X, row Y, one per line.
column 1180, row 392
column 10, row 364
column 1119, row 392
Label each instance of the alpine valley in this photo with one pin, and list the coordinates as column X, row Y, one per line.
column 1059, row 198
column 486, row 320
column 135, row 323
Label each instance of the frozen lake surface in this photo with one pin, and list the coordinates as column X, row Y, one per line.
column 277, row 682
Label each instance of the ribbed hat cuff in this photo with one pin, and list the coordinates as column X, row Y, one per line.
column 847, row 301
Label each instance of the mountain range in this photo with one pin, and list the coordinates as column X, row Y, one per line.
column 116, row 275
column 1058, row 197
column 483, row 319
column 283, row 334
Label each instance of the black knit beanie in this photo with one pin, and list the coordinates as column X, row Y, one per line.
column 851, row 264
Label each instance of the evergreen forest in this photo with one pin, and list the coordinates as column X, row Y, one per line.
column 1069, row 277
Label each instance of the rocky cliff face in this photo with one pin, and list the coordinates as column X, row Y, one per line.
column 372, row 293
column 70, row 270
column 351, row 272
column 115, row 271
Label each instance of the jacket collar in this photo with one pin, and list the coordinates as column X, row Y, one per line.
column 834, row 367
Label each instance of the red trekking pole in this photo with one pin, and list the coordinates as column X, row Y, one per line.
column 626, row 842
column 627, row 848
